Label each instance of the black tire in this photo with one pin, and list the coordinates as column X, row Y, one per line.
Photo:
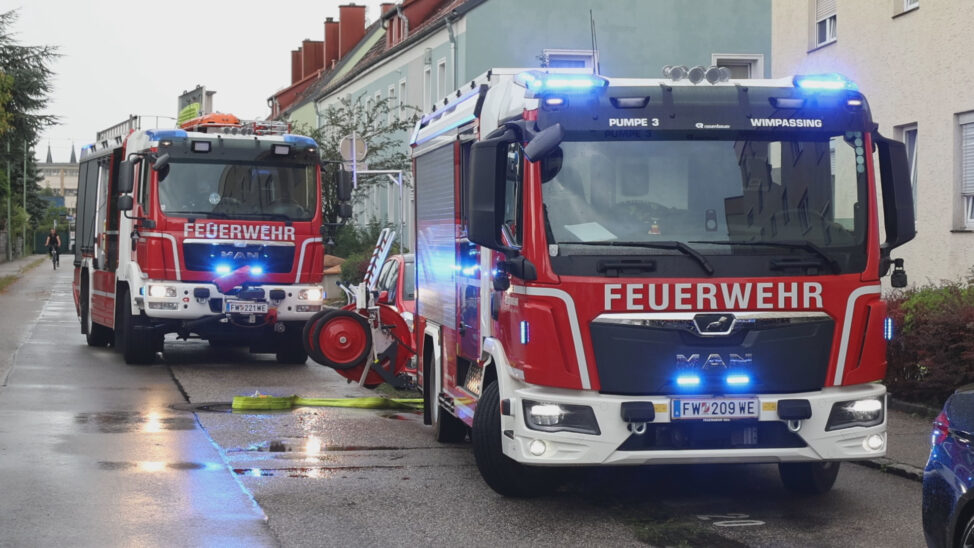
column 136, row 347
column 966, row 538
column 309, row 329
column 96, row 335
column 446, row 427
column 290, row 349
column 341, row 357
column 809, row 478
column 502, row 474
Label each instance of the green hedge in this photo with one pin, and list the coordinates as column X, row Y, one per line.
column 932, row 350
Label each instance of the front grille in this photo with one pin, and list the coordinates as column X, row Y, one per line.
column 636, row 357
column 274, row 259
column 713, row 435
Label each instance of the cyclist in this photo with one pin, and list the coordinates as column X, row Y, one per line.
column 53, row 242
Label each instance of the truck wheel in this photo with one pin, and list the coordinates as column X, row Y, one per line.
column 502, row 474
column 446, row 427
column 290, row 348
column 809, row 478
column 95, row 334
column 136, row 347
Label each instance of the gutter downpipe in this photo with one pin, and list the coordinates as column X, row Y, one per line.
column 453, row 47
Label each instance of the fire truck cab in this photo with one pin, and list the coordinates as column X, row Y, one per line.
column 617, row 271
column 210, row 230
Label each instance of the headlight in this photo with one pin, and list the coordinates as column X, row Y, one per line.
column 846, row 414
column 560, row 417
column 159, row 291
column 311, row 294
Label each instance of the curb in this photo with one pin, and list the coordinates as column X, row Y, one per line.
column 889, row 466
column 913, row 408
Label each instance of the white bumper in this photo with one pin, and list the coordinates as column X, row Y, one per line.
column 576, row 449
column 185, row 306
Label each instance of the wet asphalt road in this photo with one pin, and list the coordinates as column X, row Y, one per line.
column 97, row 455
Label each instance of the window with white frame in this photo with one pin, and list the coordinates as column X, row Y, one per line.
column 967, row 167
column 903, row 6
column 391, row 106
column 427, row 87
column 440, row 79
column 402, row 100
column 378, row 100
column 910, row 140
column 740, row 65
column 825, row 22
column 569, row 58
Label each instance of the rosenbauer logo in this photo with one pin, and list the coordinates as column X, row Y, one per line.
column 785, row 122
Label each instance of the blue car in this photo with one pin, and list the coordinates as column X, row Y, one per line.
column 948, row 501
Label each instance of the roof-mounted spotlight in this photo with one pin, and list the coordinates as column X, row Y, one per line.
column 675, row 72
column 696, row 74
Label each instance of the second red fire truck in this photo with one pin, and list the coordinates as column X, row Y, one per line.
column 212, row 229
column 639, row 271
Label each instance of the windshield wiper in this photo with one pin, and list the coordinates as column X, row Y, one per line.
column 678, row 246
column 271, row 216
column 792, row 244
column 197, row 214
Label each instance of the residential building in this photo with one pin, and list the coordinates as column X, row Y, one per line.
column 420, row 51
column 909, row 59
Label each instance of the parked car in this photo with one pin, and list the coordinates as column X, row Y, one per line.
column 397, row 284
column 948, row 500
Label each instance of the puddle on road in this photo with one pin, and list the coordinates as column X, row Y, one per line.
column 309, row 472
column 123, row 422
column 156, row 466
column 311, row 445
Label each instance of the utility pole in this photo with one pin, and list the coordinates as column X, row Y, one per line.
column 23, row 230
column 10, row 197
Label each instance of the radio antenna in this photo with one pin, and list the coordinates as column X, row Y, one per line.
column 595, row 46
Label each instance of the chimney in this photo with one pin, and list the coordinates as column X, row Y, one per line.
column 295, row 65
column 351, row 27
column 311, row 57
column 331, row 43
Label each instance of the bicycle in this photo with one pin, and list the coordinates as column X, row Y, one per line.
column 55, row 256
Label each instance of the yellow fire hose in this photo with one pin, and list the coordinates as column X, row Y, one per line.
column 263, row 402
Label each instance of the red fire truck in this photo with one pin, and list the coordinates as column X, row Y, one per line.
column 641, row 271
column 212, row 229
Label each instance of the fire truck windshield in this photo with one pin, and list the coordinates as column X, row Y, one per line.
column 241, row 190
column 722, row 197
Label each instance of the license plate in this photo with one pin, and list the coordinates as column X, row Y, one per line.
column 242, row 307
column 715, row 408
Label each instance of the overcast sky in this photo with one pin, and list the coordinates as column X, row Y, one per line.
column 136, row 57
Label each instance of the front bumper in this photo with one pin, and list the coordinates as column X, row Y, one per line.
column 184, row 305
column 614, row 445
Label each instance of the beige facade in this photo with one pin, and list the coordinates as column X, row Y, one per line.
column 911, row 59
column 62, row 179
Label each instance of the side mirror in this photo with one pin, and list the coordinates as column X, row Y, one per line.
column 898, row 213
column 544, row 142
column 161, row 162
column 343, row 185
column 485, row 197
column 345, row 211
column 125, row 179
column 125, row 203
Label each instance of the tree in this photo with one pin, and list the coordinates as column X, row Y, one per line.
column 25, row 86
column 379, row 124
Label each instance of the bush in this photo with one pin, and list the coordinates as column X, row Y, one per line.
column 932, row 351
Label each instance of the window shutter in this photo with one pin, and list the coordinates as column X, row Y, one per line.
column 967, row 159
column 824, row 9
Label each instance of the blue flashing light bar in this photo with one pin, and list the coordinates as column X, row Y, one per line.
column 888, row 328
column 738, row 380
column 165, row 134
column 538, row 82
column 829, row 82
column 688, row 381
column 525, row 332
column 222, row 269
column 256, row 270
column 300, row 140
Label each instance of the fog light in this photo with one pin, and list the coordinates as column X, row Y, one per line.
column 874, row 442
column 846, row 414
column 560, row 417
column 537, row 448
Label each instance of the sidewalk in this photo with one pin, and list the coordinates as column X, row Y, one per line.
column 908, row 436
column 16, row 267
